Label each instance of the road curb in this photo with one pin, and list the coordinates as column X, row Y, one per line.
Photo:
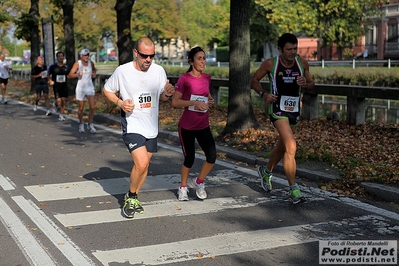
column 384, row 192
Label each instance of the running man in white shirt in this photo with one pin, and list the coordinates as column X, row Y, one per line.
column 140, row 85
column 4, row 68
column 85, row 71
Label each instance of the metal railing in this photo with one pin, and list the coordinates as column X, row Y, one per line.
column 322, row 63
column 355, row 63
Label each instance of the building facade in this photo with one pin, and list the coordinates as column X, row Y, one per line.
column 382, row 36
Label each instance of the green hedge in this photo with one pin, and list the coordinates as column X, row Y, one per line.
column 378, row 77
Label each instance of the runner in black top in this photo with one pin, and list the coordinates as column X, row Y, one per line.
column 57, row 75
column 288, row 74
column 39, row 74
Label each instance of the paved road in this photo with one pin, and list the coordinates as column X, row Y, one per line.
column 61, row 193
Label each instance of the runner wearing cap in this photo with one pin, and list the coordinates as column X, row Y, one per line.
column 85, row 71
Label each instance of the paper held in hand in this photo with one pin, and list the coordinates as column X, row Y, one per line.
column 197, row 98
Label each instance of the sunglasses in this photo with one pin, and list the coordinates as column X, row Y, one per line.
column 145, row 56
column 86, row 54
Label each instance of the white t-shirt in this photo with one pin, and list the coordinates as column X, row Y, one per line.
column 3, row 71
column 144, row 88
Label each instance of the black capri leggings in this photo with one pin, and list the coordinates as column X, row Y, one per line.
column 205, row 140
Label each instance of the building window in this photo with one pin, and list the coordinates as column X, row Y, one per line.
column 392, row 33
column 369, row 36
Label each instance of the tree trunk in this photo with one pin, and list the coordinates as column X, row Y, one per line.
column 123, row 10
column 67, row 9
column 240, row 115
column 34, row 37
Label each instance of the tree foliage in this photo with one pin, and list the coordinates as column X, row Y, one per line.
column 157, row 19
column 339, row 22
column 201, row 22
column 290, row 15
column 262, row 31
column 80, row 21
column 4, row 17
column 94, row 27
column 222, row 22
column 24, row 25
column 342, row 21
column 11, row 9
column 198, row 18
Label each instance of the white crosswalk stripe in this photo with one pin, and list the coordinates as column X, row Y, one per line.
column 24, row 237
column 6, row 183
column 208, row 247
column 104, row 187
column 97, row 188
column 158, row 209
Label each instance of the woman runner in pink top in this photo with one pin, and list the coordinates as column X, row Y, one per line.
column 192, row 93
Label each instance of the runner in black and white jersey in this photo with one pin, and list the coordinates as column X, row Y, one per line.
column 288, row 74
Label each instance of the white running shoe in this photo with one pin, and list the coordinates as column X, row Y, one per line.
column 61, row 118
column 82, row 128
column 48, row 112
column 91, row 128
column 35, row 107
column 199, row 189
column 182, row 193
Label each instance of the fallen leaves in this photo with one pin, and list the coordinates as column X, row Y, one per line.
column 368, row 152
